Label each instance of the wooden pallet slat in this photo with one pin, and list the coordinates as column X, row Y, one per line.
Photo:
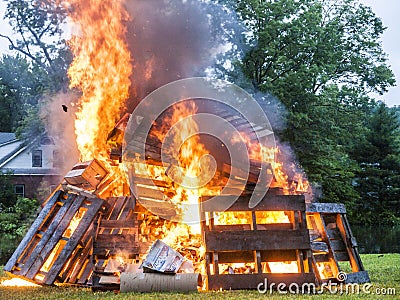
column 256, row 240
column 64, row 219
column 270, row 202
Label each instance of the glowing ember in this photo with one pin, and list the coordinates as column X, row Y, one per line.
column 283, row 267
column 74, row 222
column 18, row 282
column 325, row 270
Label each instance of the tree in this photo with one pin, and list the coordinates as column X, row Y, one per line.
column 321, row 58
column 378, row 181
column 21, row 88
column 14, row 223
column 39, row 66
column 37, row 25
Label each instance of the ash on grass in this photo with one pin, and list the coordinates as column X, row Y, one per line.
column 384, row 271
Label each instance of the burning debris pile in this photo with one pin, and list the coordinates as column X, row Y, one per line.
column 93, row 232
column 117, row 211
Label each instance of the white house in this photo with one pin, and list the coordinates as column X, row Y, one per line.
column 34, row 165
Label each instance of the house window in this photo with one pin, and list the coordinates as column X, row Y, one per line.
column 36, row 158
column 19, row 190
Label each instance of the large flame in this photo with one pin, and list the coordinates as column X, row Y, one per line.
column 100, row 69
column 189, row 169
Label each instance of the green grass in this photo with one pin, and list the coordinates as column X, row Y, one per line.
column 384, row 271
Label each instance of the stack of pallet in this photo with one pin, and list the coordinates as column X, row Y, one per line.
column 77, row 233
column 255, row 245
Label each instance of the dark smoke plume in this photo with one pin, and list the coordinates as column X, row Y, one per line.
column 168, row 40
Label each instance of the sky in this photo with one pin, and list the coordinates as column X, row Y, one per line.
column 387, row 10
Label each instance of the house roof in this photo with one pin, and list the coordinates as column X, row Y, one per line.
column 34, row 171
column 6, row 137
column 14, row 156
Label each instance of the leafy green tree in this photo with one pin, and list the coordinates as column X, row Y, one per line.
column 378, row 181
column 321, row 59
column 37, row 27
column 21, row 88
column 39, row 65
column 14, row 223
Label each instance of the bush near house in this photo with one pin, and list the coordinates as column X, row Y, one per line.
column 14, row 222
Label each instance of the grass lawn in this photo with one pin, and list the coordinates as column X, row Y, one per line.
column 384, row 271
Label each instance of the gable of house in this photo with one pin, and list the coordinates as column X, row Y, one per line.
column 30, row 164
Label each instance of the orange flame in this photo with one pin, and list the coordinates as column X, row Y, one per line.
column 273, row 156
column 190, row 169
column 101, row 70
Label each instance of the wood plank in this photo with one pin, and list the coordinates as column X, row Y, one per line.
column 150, row 182
column 319, row 247
column 334, row 233
column 119, row 205
column 73, row 241
column 358, row 277
column 331, row 208
column 268, row 203
column 149, row 192
column 81, row 262
column 109, row 205
column 274, row 226
column 351, row 248
column 256, row 240
column 112, row 240
column 320, row 224
column 111, row 224
column 49, row 239
column 247, row 256
column 342, row 256
column 86, row 273
column 32, row 231
column 163, row 208
column 252, row 281
column 250, row 175
column 338, row 245
column 321, row 257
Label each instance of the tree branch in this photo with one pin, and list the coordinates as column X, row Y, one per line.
column 45, row 30
column 23, row 36
column 17, row 48
column 38, row 41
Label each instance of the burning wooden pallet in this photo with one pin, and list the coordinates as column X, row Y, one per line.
column 332, row 241
column 115, row 238
column 58, row 245
column 256, row 245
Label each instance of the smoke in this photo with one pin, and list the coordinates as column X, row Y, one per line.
column 169, row 40
column 60, row 126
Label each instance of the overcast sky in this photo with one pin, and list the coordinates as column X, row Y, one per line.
column 387, row 10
